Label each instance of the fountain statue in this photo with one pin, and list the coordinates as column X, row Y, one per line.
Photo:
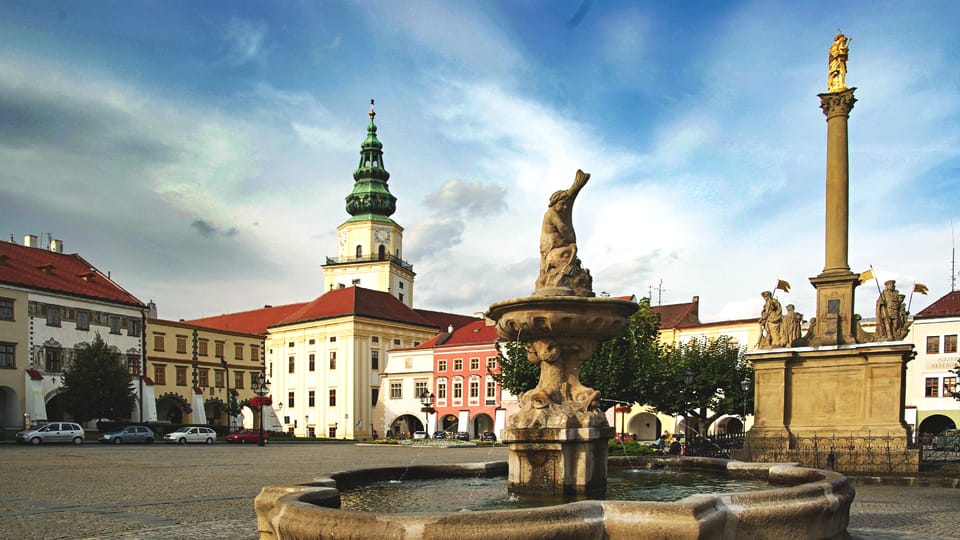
column 558, row 439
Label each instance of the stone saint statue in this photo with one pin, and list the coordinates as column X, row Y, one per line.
column 560, row 271
column 770, row 318
column 790, row 327
column 839, row 51
column 890, row 313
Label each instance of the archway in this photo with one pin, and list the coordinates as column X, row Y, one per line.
column 935, row 424
column 449, row 422
column 728, row 425
column 171, row 407
column 216, row 411
column 482, row 422
column 9, row 412
column 645, row 426
column 56, row 409
column 405, row 426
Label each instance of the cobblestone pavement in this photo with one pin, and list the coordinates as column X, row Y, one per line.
column 206, row 492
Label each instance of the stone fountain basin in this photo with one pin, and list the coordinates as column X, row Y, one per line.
column 812, row 503
column 536, row 317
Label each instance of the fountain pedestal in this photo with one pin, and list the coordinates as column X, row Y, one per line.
column 558, row 462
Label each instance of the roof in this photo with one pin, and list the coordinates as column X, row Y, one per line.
column 946, row 306
column 41, row 269
column 444, row 320
column 226, row 322
column 476, row 332
column 255, row 321
column 679, row 315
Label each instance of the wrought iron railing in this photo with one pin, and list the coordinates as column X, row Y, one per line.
column 370, row 258
column 879, row 454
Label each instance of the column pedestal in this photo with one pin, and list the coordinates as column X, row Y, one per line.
column 558, row 462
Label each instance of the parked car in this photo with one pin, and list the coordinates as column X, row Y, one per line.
column 419, row 434
column 129, row 434
column 439, row 435
column 247, row 436
column 488, row 436
column 188, row 434
column 52, row 432
column 463, row 436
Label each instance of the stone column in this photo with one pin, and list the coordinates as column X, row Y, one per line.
column 837, row 106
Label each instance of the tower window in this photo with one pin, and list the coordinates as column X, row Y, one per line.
column 383, row 252
column 359, row 251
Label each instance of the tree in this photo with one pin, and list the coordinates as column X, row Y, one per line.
column 517, row 374
column 717, row 368
column 96, row 384
column 233, row 409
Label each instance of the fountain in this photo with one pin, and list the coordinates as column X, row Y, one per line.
column 558, row 446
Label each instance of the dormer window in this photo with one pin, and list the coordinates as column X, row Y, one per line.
column 359, row 251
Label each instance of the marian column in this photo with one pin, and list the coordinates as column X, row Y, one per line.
column 836, row 323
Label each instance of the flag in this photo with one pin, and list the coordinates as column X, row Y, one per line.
column 920, row 288
column 866, row 276
column 783, row 285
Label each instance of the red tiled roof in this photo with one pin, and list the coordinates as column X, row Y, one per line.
column 361, row 302
column 475, row 333
column 947, row 306
column 444, row 320
column 254, row 321
column 679, row 315
column 39, row 268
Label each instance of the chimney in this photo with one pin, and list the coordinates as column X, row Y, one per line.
column 30, row 240
column 151, row 309
column 56, row 246
column 450, row 329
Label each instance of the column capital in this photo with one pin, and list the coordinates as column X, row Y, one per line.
column 837, row 103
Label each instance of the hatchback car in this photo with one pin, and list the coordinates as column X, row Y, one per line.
column 463, row 436
column 439, row 435
column 52, row 432
column 129, row 434
column 188, row 434
column 488, row 436
column 247, row 436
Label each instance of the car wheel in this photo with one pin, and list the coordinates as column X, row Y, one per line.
column 209, row 440
column 148, row 440
column 243, row 441
column 118, row 440
column 182, row 440
column 35, row 441
column 78, row 440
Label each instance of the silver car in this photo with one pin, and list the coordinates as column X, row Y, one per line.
column 129, row 434
column 187, row 434
column 52, row 432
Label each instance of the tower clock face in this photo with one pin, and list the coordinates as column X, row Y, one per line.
column 381, row 235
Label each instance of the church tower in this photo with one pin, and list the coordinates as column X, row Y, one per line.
column 370, row 252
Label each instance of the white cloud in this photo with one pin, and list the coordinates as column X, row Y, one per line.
column 244, row 40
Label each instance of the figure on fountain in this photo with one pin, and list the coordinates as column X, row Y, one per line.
column 890, row 313
column 561, row 272
column 770, row 318
column 790, row 326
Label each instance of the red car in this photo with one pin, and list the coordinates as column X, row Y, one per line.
column 247, row 436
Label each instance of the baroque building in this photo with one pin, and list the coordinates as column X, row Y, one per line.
column 931, row 379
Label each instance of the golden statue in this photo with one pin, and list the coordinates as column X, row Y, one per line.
column 836, row 79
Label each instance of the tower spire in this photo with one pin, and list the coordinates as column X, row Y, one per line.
column 370, row 196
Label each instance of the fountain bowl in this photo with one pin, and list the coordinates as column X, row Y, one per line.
column 802, row 503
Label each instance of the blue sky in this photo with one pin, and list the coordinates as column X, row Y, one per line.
column 201, row 151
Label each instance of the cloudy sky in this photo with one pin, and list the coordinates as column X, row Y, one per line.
column 201, row 151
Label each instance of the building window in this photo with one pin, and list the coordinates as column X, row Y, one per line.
column 491, row 363
column 400, row 297
column 359, row 251
column 255, row 352
column 933, row 344
column 181, row 344
column 333, row 397
column 291, row 361
column 932, row 387
column 442, row 389
column 238, row 379
column 419, row 388
column 53, row 357
column 312, row 341
column 950, row 344
column 375, row 339
column 474, row 364
column 290, row 399
column 333, row 359
column 53, row 316
column 159, row 374
column 949, row 386
column 218, row 349
column 290, row 344
column 396, row 390
column 133, row 328
column 491, row 389
column 311, row 398
column 181, row 375
column 457, row 390
column 203, row 347
column 204, row 378
column 238, row 351
column 332, row 432
column 333, row 339
column 396, row 342
column 133, row 364
column 8, row 356
column 474, row 389
column 374, row 359
column 218, row 378
column 312, row 362
column 6, row 309
column 158, row 342
column 83, row 320
column 374, row 396
column 114, row 324
column 458, row 364
column 441, row 365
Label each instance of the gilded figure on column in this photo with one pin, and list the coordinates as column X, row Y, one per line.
column 839, row 51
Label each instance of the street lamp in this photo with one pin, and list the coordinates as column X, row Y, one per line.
column 261, row 390
column 427, row 399
column 688, row 377
column 745, row 385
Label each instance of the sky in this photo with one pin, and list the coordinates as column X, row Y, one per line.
column 201, row 152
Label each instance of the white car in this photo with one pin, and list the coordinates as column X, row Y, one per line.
column 191, row 434
column 52, row 432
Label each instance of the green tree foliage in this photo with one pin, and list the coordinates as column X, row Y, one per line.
column 233, row 408
column 96, row 384
column 718, row 368
column 517, row 374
